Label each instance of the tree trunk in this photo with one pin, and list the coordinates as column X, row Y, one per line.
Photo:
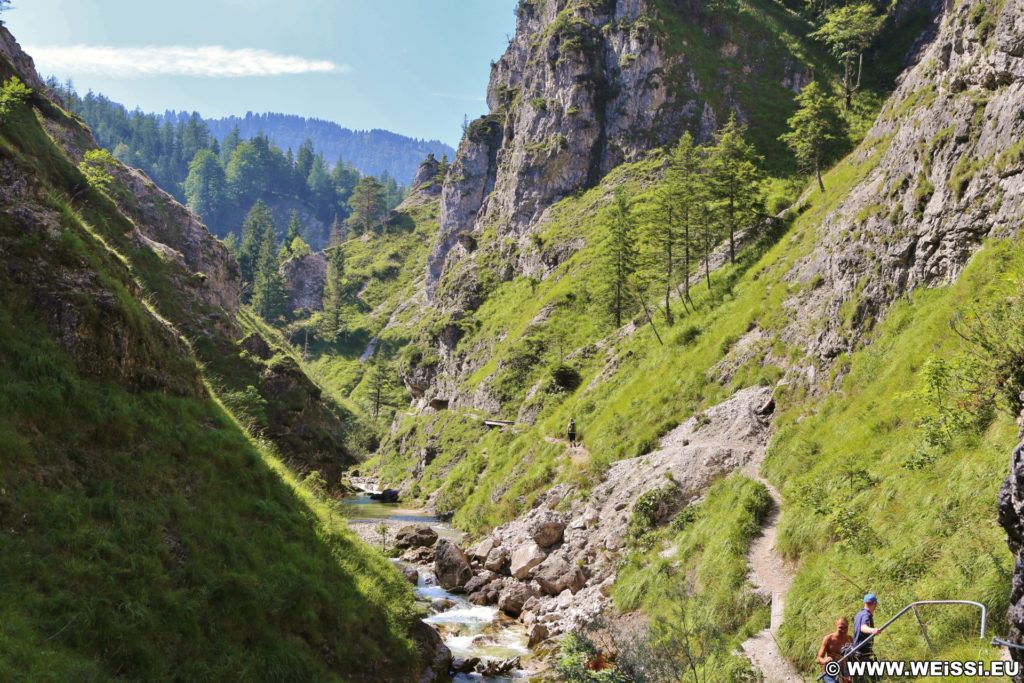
column 817, row 172
column 860, row 68
column 668, row 278
column 732, row 229
column 847, row 93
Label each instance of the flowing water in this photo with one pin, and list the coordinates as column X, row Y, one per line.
column 468, row 630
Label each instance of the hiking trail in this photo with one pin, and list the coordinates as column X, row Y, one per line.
column 578, row 454
column 769, row 573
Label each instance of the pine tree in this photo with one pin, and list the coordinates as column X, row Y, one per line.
column 620, row 258
column 734, row 180
column 368, row 205
column 812, row 129
column 268, row 292
column 206, row 187
column 334, row 295
column 258, row 223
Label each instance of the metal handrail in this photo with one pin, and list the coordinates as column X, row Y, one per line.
column 984, row 615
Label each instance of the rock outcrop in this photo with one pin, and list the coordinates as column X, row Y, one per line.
column 304, row 278
column 944, row 173
column 1011, row 517
column 582, row 87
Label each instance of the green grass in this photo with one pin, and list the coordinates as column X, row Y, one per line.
column 861, row 515
column 705, row 578
column 145, row 536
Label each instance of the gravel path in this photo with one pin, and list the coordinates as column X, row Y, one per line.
column 770, row 574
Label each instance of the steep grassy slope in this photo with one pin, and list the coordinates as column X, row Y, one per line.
column 145, row 536
column 384, row 271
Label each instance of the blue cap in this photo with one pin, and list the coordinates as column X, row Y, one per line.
column 870, row 597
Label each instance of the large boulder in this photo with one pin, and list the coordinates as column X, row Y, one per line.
column 525, row 558
column 538, row 634
column 386, row 496
column 479, row 581
column 556, row 575
column 497, row 560
column 547, row 528
column 451, row 566
column 513, row 598
column 482, row 549
column 415, row 536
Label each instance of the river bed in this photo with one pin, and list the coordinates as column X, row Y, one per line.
column 468, row 630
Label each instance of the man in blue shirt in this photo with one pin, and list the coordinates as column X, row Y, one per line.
column 864, row 628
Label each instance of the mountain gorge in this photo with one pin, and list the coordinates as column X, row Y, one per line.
column 780, row 402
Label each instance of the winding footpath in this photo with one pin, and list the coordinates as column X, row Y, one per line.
column 770, row 574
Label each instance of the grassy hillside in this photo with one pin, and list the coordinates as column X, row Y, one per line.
column 146, row 536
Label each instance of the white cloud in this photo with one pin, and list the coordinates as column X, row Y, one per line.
column 207, row 61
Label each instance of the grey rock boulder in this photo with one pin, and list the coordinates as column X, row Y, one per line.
column 556, row 575
column 415, row 536
column 451, row 566
column 525, row 558
column 547, row 528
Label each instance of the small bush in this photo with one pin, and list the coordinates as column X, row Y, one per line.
column 565, row 377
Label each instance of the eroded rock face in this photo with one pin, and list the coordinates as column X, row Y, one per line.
column 582, row 87
column 939, row 177
column 1011, row 517
column 304, row 279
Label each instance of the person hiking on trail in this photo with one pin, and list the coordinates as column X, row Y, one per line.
column 833, row 647
column 864, row 629
column 572, row 432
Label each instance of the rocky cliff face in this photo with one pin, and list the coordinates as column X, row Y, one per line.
column 945, row 173
column 582, row 87
column 1011, row 517
column 304, row 279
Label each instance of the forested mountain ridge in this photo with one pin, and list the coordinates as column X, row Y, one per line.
column 373, row 152
column 222, row 178
column 147, row 534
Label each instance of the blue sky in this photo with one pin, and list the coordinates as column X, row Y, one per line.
column 411, row 66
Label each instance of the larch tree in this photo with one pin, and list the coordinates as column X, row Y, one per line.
column 620, row 257
column 734, row 180
column 812, row 129
column 686, row 189
column 848, row 31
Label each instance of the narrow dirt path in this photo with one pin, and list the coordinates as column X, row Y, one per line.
column 770, row 574
column 578, row 454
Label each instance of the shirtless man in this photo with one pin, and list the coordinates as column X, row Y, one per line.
column 832, row 650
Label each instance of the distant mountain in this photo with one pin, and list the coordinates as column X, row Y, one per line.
column 373, row 152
